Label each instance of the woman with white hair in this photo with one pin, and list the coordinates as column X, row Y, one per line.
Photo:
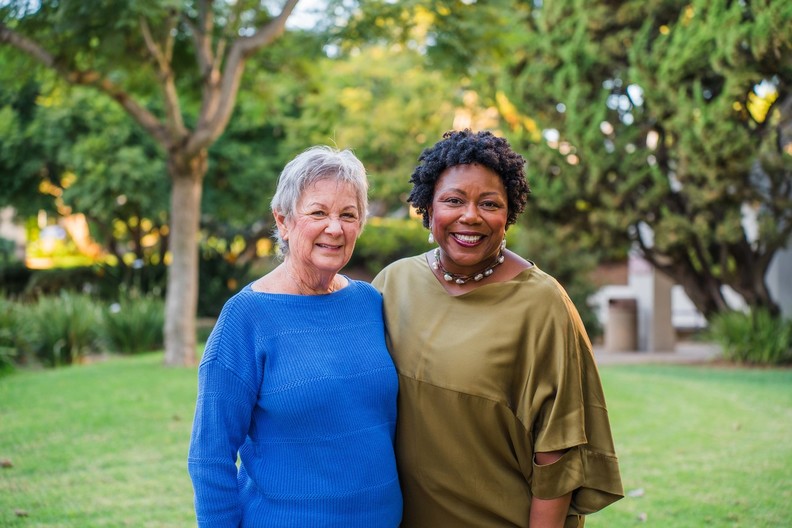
column 296, row 381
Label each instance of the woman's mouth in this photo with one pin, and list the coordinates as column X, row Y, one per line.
column 467, row 240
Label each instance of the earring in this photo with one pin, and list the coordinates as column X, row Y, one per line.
column 503, row 244
column 431, row 237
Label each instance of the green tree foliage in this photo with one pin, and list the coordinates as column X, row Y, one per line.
column 382, row 103
column 175, row 67
column 671, row 121
column 25, row 152
column 79, row 153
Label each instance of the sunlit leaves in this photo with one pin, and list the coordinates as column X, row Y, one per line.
column 384, row 105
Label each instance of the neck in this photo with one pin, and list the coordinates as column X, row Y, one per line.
column 309, row 283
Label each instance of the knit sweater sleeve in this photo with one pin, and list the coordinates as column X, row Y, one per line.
column 226, row 397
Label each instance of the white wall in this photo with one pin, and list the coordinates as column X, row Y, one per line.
column 10, row 231
column 779, row 280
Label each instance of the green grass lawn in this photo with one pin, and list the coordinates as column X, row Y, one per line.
column 106, row 444
column 97, row 445
column 700, row 446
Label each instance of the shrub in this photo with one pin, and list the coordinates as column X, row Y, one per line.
column 134, row 324
column 64, row 328
column 8, row 346
column 14, row 277
column 219, row 279
column 7, row 356
column 51, row 282
column 756, row 337
column 16, row 332
column 103, row 281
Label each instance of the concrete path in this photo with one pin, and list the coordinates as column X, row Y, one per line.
column 685, row 352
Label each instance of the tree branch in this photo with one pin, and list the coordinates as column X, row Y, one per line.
column 204, row 42
column 166, row 76
column 87, row 78
column 219, row 104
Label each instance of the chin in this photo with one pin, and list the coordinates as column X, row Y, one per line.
column 333, row 266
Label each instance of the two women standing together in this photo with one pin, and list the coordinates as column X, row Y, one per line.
column 501, row 416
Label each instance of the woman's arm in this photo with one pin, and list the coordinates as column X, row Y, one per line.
column 222, row 417
column 549, row 513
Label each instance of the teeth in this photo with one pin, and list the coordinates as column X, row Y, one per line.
column 468, row 238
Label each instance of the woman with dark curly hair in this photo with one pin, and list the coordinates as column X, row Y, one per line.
column 502, row 419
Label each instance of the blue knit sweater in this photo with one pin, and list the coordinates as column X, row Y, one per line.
column 303, row 390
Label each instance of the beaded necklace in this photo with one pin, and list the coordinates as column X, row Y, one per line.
column 462, row 279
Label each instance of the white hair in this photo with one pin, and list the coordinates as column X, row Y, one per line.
column 315, row 164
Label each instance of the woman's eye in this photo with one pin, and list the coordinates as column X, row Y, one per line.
column 349, row 216
column 453, row 201
column 490, row 205
column 318, row 214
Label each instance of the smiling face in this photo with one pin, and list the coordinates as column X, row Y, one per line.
column 323, row 229
column 468, row 217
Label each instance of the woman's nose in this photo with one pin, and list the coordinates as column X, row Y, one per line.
column 470, row 214
column 333, row 226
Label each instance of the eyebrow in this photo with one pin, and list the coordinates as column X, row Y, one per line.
column 320, row 204
column 460, row 191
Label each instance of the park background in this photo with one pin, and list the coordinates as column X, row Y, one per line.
column 139, row 147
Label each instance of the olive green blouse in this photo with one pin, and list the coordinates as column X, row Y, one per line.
column 486, row 379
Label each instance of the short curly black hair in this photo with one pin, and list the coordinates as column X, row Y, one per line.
column 461, row 147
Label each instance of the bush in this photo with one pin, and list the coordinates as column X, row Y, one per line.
column 63, row 328
column 100, row 280
column 16, row 331
column 218, row 279
column 14, row 277
column 51, row 282
column 135, row 324
column 8, row 346
column 60, row 330
column 755, row 338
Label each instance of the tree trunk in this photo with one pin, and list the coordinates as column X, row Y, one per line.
column 750, row 278
column 706, row 291
column 181, row 299
column 703, row 289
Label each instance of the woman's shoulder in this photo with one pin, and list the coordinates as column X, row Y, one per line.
column 244, row 298
column 535, row 277
column 361, row 287
column 544, row 288
column 239, row 308
column 401, row 267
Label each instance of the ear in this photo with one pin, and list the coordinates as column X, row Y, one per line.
column 280, row 222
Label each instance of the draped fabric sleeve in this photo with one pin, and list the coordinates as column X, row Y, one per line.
column 227, row 392
column 562, row 408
